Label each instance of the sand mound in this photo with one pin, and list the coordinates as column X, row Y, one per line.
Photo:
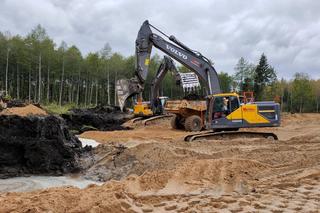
column 24, row 111
column 117, row 162
column 220, row 175
column 109, row 198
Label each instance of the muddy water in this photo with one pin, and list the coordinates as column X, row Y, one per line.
column 25, row 184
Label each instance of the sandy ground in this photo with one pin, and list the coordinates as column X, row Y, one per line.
column 24, row 111
column 155, row 171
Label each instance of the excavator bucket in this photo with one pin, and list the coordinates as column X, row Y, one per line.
column 126, row 88
column 189, row 81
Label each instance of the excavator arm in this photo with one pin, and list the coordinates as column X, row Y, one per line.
column 193, row 60
column 166, row 65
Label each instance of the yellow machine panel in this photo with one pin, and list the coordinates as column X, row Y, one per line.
column 249, row 113
column 142, row 109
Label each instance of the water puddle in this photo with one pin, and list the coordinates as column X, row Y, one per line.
column 26, row 184
column 31, row 183
column 89, row 142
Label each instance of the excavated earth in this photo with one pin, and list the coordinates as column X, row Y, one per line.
column 33, row 142
column 151, row 169
column 105, row 118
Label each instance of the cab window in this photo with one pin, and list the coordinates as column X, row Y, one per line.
column 223, row 106
column 234, row 103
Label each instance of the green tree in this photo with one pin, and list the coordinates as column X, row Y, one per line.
column 316, row 90
column 61, row 54
column 36, row 40
column 264, row 75
column 244, row 75
column 225, row 81
column 301, row 91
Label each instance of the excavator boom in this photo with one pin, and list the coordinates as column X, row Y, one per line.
column 193, row 60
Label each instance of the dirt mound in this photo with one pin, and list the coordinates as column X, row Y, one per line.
column 97, row 118
column 224, row 175
column 130, row 194
column 117, row 162
column 109, row 198
column 15, row 103
column 139, row 135
column 24, row 111
column 36, row 145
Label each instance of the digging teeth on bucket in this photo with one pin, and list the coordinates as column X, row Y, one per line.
column 229, row 135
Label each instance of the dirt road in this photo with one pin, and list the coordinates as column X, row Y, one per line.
column 153, row 170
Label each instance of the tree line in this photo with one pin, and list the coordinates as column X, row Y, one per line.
column 34, row 68
column 300, row 94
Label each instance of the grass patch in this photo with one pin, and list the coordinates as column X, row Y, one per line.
column 54, row 108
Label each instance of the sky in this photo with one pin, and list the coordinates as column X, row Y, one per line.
column 286, row 31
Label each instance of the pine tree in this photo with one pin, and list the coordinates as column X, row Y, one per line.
column 244, row 75
column 264, row 75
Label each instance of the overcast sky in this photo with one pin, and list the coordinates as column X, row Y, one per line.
column 288, row 32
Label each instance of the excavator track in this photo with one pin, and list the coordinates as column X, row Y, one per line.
column 148, row 120
column 229, row 135
column 135, row 120
column 141, row 121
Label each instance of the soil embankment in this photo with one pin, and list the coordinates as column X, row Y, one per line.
column 33, row 142
column 105, row 118
column 36, row 145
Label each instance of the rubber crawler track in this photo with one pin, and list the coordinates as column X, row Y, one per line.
column 233, row 134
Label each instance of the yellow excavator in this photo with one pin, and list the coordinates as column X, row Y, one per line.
column 224, row 113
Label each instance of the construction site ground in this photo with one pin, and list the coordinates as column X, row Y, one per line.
column 151, row 169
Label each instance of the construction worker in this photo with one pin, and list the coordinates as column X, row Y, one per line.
column 225, row 106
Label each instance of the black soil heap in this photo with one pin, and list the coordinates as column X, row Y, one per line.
column 15, row 103
column 105, row 118
column 36, row 145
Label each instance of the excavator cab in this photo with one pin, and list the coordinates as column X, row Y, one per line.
column 161, row 102
column 222, row 106
column 226, row 112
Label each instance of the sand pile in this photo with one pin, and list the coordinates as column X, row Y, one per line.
column 219, row 175
column 139, row 135
column 124, row 196
column 117, row 162
column 109, row 198
column 180, row 191
column 24, row 111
